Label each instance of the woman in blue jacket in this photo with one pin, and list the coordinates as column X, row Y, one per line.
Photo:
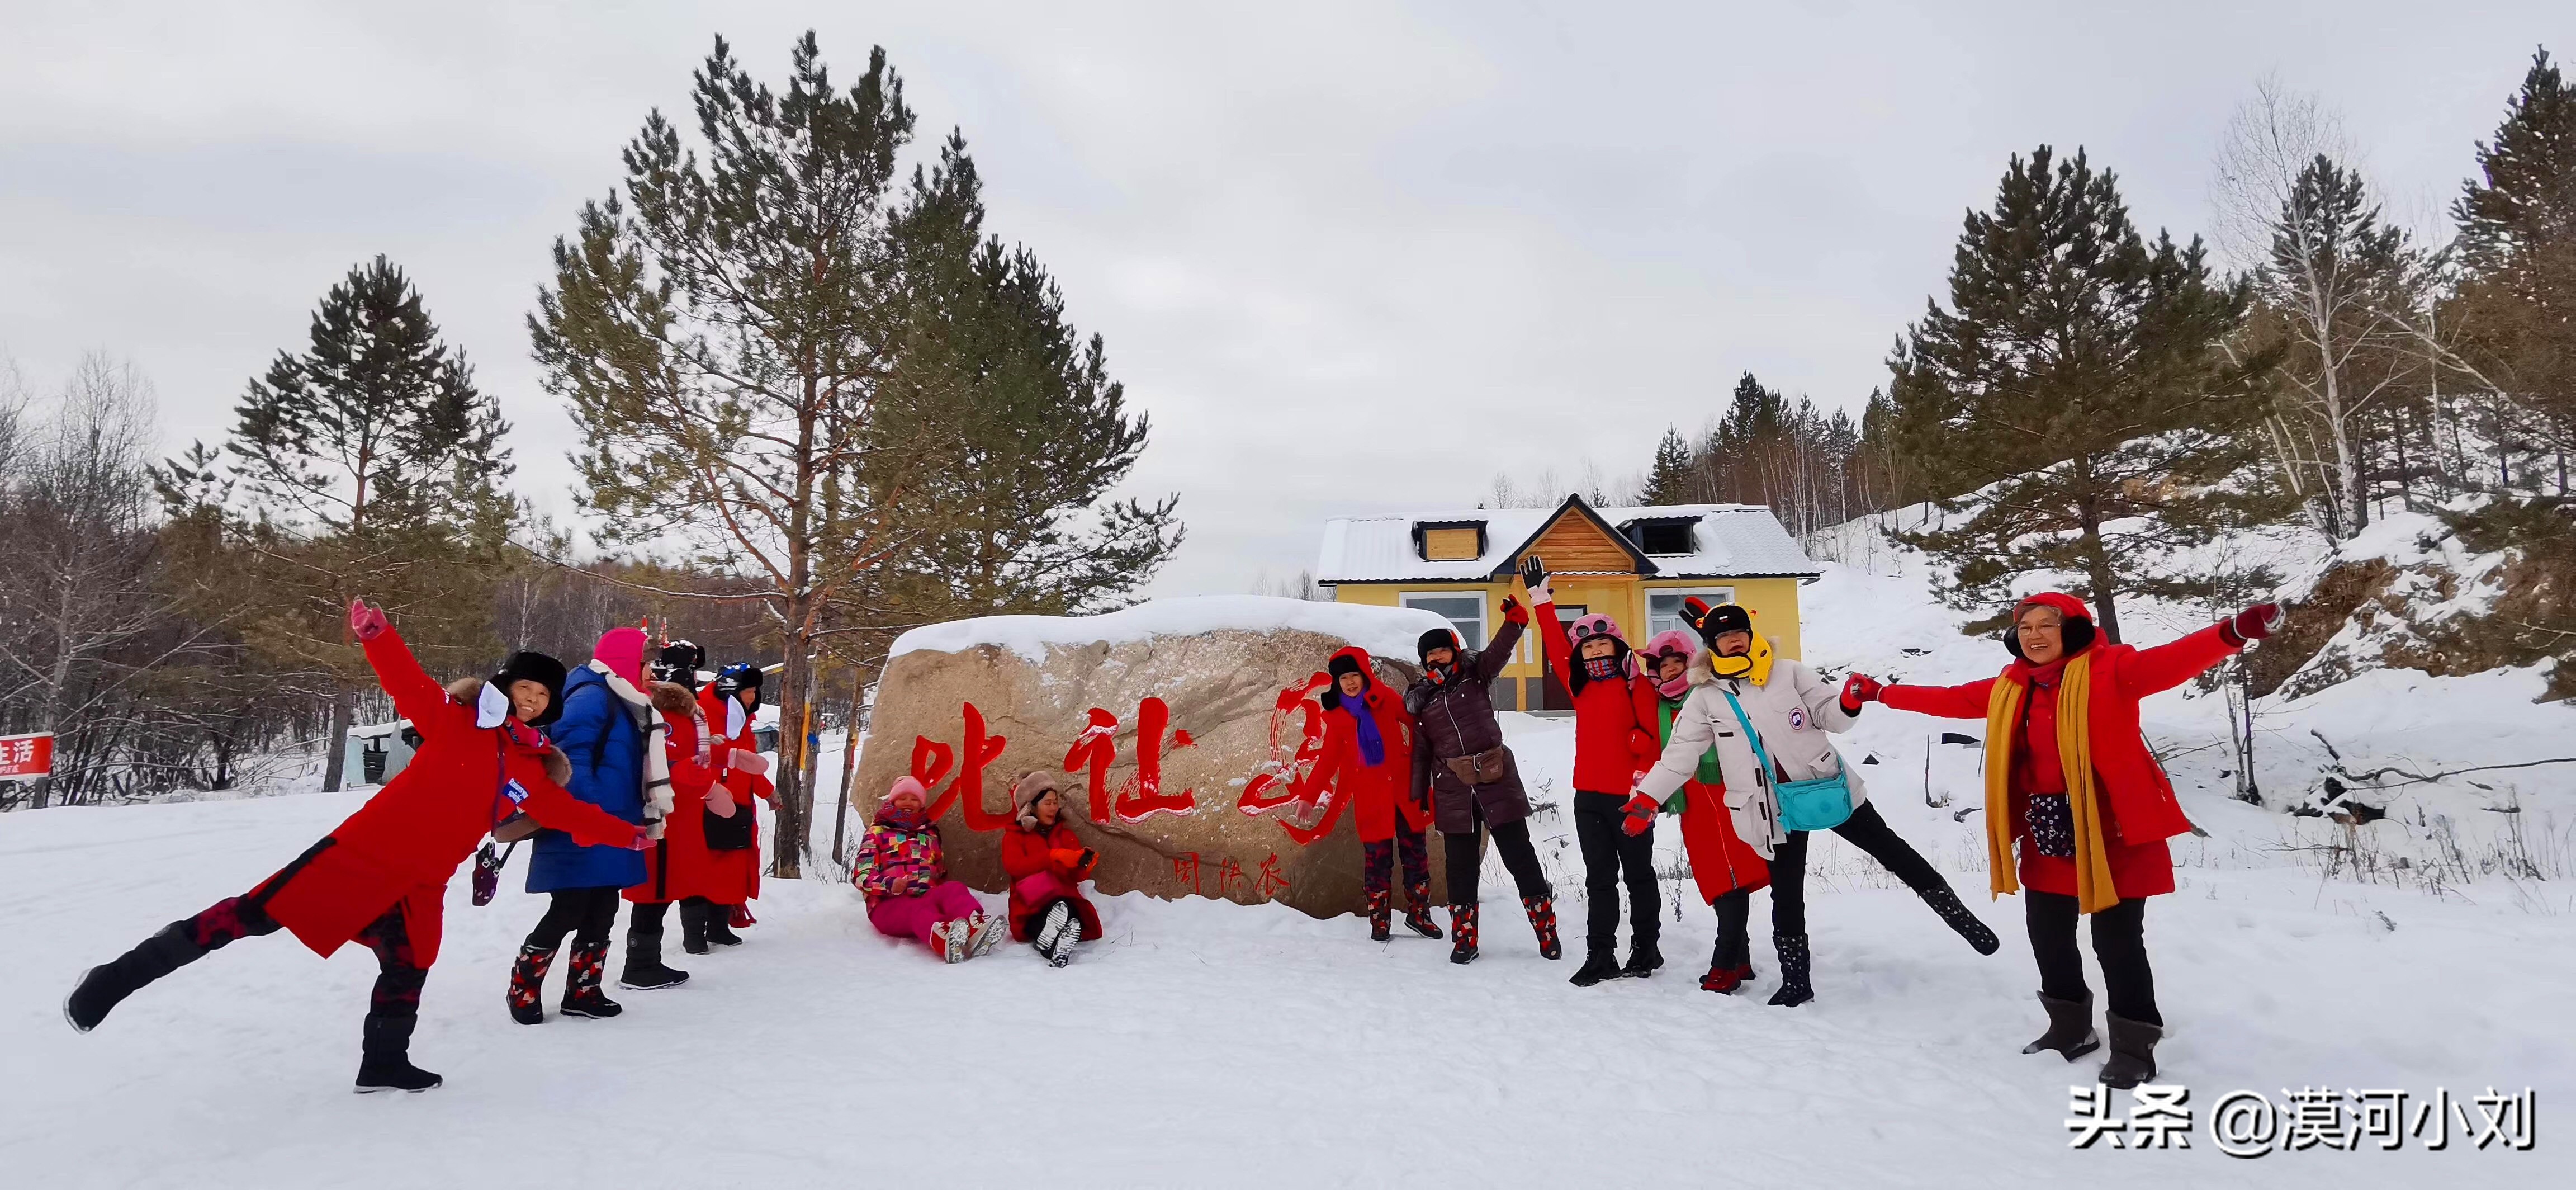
column 608, row 733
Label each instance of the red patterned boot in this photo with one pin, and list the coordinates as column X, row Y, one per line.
column 1378, row 912
column 1462, row 934
column 1417, row 910
column 1542, row 915
column 528, row 984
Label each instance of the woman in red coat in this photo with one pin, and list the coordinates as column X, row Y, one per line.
column 694, row 765
column 380, row 876
column 1047, row 865
column 1367, row 761
column 2071, row 785
column 1725, row 868
column 1611, row 746
column 713, row 868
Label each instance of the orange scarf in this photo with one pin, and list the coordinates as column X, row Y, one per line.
column 2093, row 888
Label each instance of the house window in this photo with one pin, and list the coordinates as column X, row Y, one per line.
column 1664, row 607
column 1464, row 611
column 1664, row 537
column 1452, row 545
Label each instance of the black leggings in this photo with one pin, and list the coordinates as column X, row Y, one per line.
column 1865, row 830
column 2119, row 942
column 1734, row 937
column 585, row 913
column 1610, row 853
column 1465, row 854
column 399, row 975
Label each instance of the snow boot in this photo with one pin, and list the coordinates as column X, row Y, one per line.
column 984, row 931
column 109, row 983
column 582, row 996
column 1644, row 958
column 2133, row 1052
column 1599, row 963
column 1793, row 972
column 1462, row 934
column 1057, row 935
column 719, row 920
column 644, row 970
column 384, row 1062
column 1542, row 915
column 741, row 918
column 2070, row 1028
column 952, row 940
column 1417, row 910
column 1945, row 902
column 1379, row 909
column 528, row 984
column 1722, row 977
column 693, row 924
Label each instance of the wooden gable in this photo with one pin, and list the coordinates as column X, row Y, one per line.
column 1577, row 540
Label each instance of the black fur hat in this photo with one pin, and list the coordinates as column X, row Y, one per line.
column 1437, row 638
column 524, row 666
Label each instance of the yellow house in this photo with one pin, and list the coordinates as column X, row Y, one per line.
column 1634, row 564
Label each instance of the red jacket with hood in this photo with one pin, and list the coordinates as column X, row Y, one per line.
column 1043, row 867
column 2139, row 811
column 1611, row 745
column 1378, row 793
column 405, row 843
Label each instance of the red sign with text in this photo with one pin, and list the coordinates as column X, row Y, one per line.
column 26, row 755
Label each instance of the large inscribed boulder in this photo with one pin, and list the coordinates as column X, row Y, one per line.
column 1185, row 731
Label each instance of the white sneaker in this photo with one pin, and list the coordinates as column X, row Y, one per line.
column 1058, row 935
column 948, row 938
column 984, row 931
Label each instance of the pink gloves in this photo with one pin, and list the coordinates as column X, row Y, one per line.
column 720, row 801
column 747, row 761
column 365, row 622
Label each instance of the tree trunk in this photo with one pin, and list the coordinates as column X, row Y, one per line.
column 849, row 767
column 795, row 797
column 343, row 705
column 2097, row 568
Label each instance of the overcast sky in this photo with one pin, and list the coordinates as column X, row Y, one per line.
column 1351, row 258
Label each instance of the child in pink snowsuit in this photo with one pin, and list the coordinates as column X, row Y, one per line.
column 909, row 893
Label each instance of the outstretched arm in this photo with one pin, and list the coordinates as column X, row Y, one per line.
column 2153, row 671
column 1498, row 651
column 417, row 696
column 1551, row 635
column 587, row 824
column 1946, row 702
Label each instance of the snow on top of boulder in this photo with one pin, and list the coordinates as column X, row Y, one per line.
column 1389, row 631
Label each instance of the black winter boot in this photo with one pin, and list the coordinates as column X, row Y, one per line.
column 644, row 970
column 1417, row 910
column 1599, row 963
column 109, row 983
column 1380, row 909
column 2133, row 1052
column 1462, row 934
column 528, row 984
column 1793, row 971
column 693, row 925
column 1542, row 915
column 720, row 925
column 2070, row 1028
column 1945, row 902
column 1644, row 957
column 582, row 996
column 385, row 1057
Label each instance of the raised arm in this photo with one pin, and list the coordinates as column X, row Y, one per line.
column 1498, row 652
column 1551, row 635
column 1945, row 702
column 417, row 696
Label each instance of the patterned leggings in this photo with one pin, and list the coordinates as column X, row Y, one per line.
column 1378, row 860
column 399, row 974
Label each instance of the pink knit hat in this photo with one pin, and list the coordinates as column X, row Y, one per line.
column 904, row 784
column 622, row 651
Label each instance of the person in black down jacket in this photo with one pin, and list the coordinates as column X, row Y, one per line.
column 1461, row 759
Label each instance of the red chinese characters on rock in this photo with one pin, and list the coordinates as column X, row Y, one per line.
column 931, row 761
column 1142, row 796
column 1289, row 778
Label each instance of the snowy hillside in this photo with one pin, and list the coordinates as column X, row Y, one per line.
column 1204, row 1042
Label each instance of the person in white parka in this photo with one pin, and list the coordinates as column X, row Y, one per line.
column 1792, row 709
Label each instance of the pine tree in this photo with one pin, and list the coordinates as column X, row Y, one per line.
column 2078, row 379
column 370, row 465
column 2517, row 247
column 1668, row 481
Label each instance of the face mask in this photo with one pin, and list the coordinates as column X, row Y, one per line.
column 1730, row 667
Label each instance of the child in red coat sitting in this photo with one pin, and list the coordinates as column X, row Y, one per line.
column 1047, row 865
column 379, row 877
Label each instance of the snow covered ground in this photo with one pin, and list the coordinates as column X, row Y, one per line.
column 1209, row 1043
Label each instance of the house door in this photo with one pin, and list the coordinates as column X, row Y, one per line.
column 1553, row 693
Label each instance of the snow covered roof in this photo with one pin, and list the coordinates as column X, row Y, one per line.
column 1390, row 631
column 1728, row 541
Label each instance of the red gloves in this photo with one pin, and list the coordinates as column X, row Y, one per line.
column 1858, row 689
column 1077, row 860
column 1641, row 814
column 642, row 840
column 1514, row 612
column 2253, row 624
column 365, row 622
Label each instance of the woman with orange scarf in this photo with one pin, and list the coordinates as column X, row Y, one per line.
column 2070, row 780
